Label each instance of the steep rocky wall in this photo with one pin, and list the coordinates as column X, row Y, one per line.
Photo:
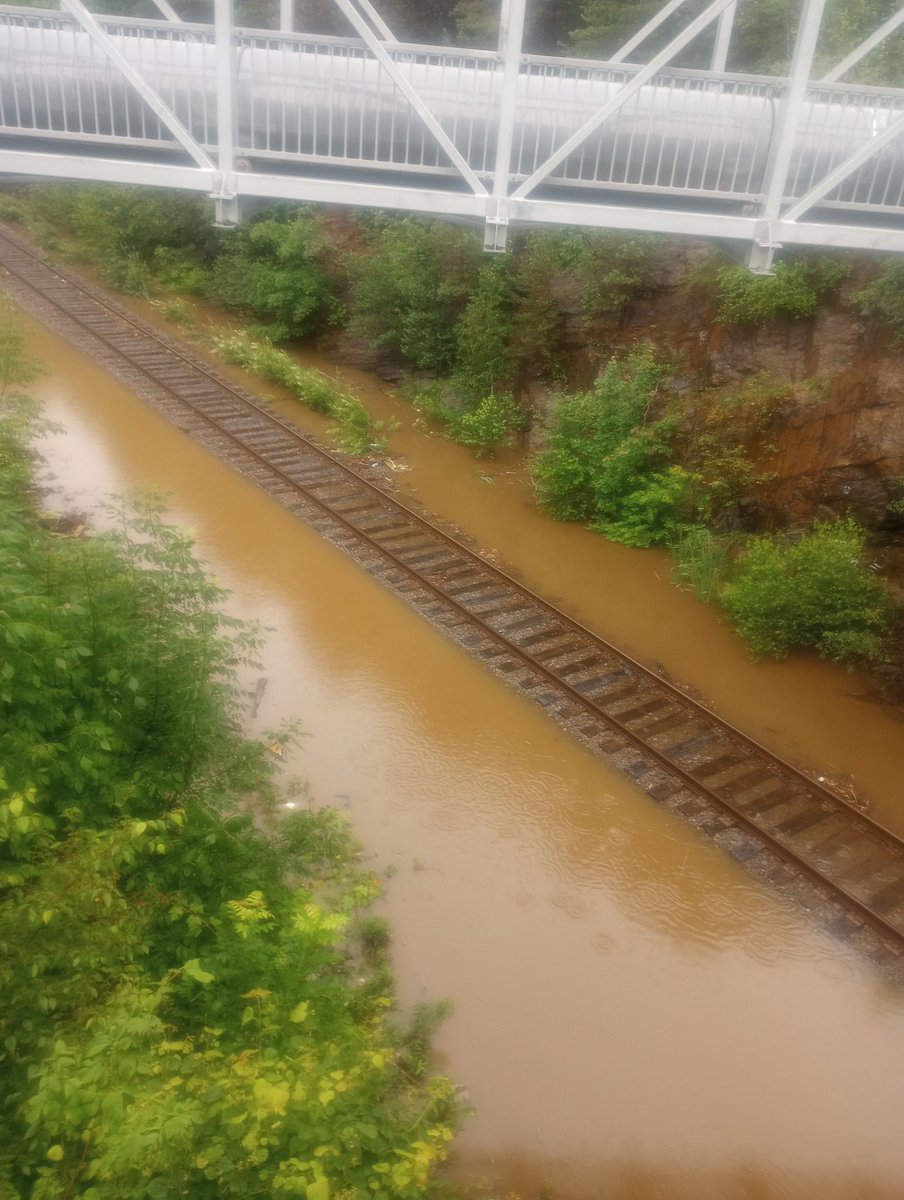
column 839, row 445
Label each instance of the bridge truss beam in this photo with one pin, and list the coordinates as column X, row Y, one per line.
column 501, row 194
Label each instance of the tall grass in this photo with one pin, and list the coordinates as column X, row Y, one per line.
column 702, row 559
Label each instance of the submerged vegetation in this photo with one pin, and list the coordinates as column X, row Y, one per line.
column 193, row 1002
column 632, row 455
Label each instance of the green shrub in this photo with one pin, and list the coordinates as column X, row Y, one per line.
column 484, row 426
column 884, row 297
column 607, row 459
column 485, row 355
column 487, row 426
column 656, row 510
column 11, row 208
column 311, row 387
column 412, row 287
column 815, row 590
column 796, row 289
column 355, row 430
column 615, row 269
column 271, row 270
column 176, row 312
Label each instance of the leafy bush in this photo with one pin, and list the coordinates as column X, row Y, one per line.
column 614, row 269
column 410, row 290
column 795, row 290
column 487, row 426
column 484, row 426
column 178, row 1018
column 135, row 237
column 311, row 387
column 815, row 590
column 884, row 297
column 606, row 459
column 272, row 271
column 485, row 355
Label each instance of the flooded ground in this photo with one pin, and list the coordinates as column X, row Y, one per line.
column 635, row 1018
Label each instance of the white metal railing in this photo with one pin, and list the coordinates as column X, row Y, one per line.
column 517, row 134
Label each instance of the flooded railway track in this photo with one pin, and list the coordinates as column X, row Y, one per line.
column 782, row 823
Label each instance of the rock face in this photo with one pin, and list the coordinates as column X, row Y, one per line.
column 839, row 447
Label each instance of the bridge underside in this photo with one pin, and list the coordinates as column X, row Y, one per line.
column 501, row 139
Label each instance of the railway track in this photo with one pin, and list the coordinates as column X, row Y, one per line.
column 784, row 824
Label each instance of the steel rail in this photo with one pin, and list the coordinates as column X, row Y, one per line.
column 584, row 703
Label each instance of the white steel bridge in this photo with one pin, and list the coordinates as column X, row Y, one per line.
column 498, row 138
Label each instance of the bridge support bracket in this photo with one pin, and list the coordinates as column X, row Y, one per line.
column 226, row 201
column 495, row 237
column 762, row 252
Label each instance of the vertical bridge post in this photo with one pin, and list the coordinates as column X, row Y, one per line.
column 511, row 40
column 225, row 196
column 785, row 136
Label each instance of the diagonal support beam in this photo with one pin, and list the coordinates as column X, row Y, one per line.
column 376, row 20
column 642, row 34
column 168, row 11
column 865, row 47
column 391, row 68
column 845, row 168
column 623, row 95
column 106, row 45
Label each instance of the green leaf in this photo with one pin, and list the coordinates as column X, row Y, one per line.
column 194, row 970
column 318, row 1190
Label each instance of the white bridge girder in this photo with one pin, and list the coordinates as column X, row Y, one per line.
column 500, row 138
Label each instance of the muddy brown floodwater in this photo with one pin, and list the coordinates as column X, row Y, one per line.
column 635, row 1017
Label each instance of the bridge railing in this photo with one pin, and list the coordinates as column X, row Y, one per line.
column 417, row 127
column 324, row 101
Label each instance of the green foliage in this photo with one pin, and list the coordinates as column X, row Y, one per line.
column 727, row 442
column 176, row 312
column 272, row 270
column 488, row 426
column 815, row 590
column 606, row 459
column 136, row 239
column 410, row 290
column 311, row 387
column 883, row 298
column 795, row 290
column 702, row 561
column 614, row 269
column 485, row 356
column 484, row 426
column 178, row 1019
column 539, row 323
column 355, row 430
